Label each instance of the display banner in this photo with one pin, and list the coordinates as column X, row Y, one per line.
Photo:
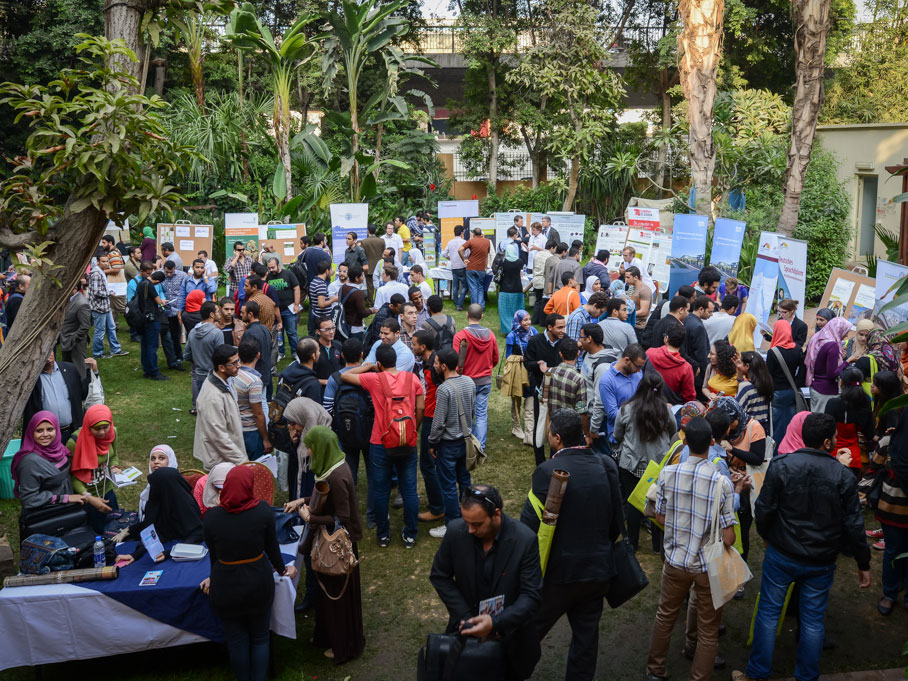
column 763, row 283
column 570, row 227
column 725, row 256
column 643, row 218
column 792, row 256
column 453, row 213
column 887, row 275
column 688, row 254
column 661, row 256
column 612, row 238
column 347, row 217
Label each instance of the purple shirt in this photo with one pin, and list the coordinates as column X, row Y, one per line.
column 826, row 369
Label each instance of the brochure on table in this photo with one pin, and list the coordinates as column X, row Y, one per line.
column 792, row 257
column 612, row 238
column 887, row 275
column 347, row 217
column 187, row 239
column 725, row 255
column 688, row 254
column 763, row 283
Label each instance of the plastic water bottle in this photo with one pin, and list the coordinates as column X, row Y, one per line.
column 100, row 557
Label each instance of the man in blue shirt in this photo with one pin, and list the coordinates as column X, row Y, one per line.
column 620, row 383
column 390, row 335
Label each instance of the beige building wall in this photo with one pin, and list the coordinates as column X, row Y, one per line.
column 863, row 152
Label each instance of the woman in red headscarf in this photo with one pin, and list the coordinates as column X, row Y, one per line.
column 95, row 462
column 782, row 361
column 191, row 315
column 243, row 549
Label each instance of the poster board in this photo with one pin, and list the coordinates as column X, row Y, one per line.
column 453, row 213
column 347, row 217
column 887, row 274
column 661, row 257
column 504, row 221
column 612, row 238
column 643, row 218
column 763, row 283
column 120, row 234
column 843, row 288
column 688, row 253
column 570, row 226
column 284, row 237
column 187, row 239
column 725, row 255
column 792, row 283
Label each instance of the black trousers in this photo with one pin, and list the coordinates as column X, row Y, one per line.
column 176, row 334
column 582, row 603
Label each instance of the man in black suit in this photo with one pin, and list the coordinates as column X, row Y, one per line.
column 580, row 564
column 76, row 323
column 486, row 572
column 60, row 389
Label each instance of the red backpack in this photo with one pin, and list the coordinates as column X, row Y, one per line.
column 399, row 436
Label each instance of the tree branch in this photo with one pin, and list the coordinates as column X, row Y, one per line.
column 14, row 241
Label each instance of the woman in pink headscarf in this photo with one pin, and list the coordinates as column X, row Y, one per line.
column 825, row 360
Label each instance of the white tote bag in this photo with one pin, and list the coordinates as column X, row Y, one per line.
column 95, row 391
column 726, row 568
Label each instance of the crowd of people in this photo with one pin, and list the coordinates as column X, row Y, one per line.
column 613, row 384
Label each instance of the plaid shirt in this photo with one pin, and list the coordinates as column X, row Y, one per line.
column 575, row 320
column 98, row 295
column 687, row 492
column 242, row 269
column 173, row 287
column 566, row 389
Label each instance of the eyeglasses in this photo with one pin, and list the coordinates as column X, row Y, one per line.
column 234, row 363
column 328, row 328
column 481, row 496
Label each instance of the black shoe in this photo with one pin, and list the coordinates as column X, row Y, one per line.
column 159, row 377
column 656, row 677
column 177, row 367
column 384, row 542
column 885, row 610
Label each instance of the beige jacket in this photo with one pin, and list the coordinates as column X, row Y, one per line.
column 218, row 433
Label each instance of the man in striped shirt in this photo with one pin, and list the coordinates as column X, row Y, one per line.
column 688, row 493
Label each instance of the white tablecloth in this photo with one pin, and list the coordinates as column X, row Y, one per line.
column 61, row 622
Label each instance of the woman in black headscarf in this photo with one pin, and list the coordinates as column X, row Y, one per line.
column 823, row 316
column 172, row 510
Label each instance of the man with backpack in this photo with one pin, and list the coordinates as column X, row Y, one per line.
column 390, row 310
column 477, row 350
column 441, row 324
column 424, row 368
column 262, row 335
column 352, row 300
column 399, row 402
column 455, row 398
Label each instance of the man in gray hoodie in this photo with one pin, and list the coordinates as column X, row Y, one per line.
column 201, row 343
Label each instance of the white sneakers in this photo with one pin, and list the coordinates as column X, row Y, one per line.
column 438, row 532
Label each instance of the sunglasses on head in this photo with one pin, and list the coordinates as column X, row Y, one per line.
column 481, row 496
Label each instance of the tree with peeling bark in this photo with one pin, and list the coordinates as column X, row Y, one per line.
column 811, row 29
column 700, row 49
column 96, row 151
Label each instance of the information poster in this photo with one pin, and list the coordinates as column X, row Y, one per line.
column 864, row 302
column 347, row 217
column 428, row 247
column 504, row 221
column 643, row 218
column 763, row 284
column 688, row 254
column 840, row 295
column 725, row 256
column 887, row 275
column 643, row 241
column 187, row 239
column 792, row 255
column 660, row 269
column 847, row 290
column 612, row 238
column 570, row 226
column 453, row 213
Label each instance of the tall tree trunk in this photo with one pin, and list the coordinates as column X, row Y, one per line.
column 812, row 27
column 573, row 181
column 700, row 48
column 123, row 19
column 666, row 126
column 40, row 317
column 494, row 139
column 379, row 133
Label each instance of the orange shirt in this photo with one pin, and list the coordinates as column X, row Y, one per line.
column 479, row 248
column 565, row 301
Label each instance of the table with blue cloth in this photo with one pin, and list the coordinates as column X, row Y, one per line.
column 62, row 622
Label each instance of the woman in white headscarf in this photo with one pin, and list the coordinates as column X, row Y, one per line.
column 207, row 492
column 161, row 456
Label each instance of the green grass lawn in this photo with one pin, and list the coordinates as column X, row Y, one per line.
column 400, row 606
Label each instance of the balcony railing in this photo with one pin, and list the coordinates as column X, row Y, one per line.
column 448, row 39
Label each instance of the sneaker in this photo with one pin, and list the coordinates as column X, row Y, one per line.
column 874, row 534
column 398, row 501
column 370, row 523
column 409, row 542
column 879, row 545
column 429, row 517
column 739, row 594
column 384, row 542
column 177, row 367
column 439, row 532
column 103, row 356
column 120, row 353
column 159, row 377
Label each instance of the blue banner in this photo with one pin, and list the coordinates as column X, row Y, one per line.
column 728, row 236
column 763, row 284
column 688, row 251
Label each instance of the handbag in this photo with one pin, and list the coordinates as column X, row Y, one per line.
column 800, row 402
column 726, row 568
column 284, row 524
column 452, row 657
column 332, row 555
column 95, row 391
column 629, row 579
column 41, row 554
column 53, row 520
column 637, row 497
column 475, row 454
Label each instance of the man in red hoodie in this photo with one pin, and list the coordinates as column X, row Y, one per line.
column 478, row 351
column 676, row 372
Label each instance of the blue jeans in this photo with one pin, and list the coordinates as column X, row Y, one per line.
column 170, row 352
column 197, row 382
column 459, row 287
column 428, row 468
column 451, row 461
column 895, row 572
column 783, row 410
column 104, row 323
column 476, row 280
column 149, row 347
column 255, row 448
column 247, row 642
column 814, row 582
column 290, row 335
column 382, row 469
column 481, row 419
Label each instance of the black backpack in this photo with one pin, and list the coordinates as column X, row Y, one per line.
column 497, row 264
column 352, row 416
column 135, row 313
column 278, row 432
column 340, row 317
column 444, row 335
column 298, row 268
column 655, row 316
column 375, row 327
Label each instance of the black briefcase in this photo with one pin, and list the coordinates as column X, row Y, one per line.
column 451, row 657
column 629, row 579
column 55, row 520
